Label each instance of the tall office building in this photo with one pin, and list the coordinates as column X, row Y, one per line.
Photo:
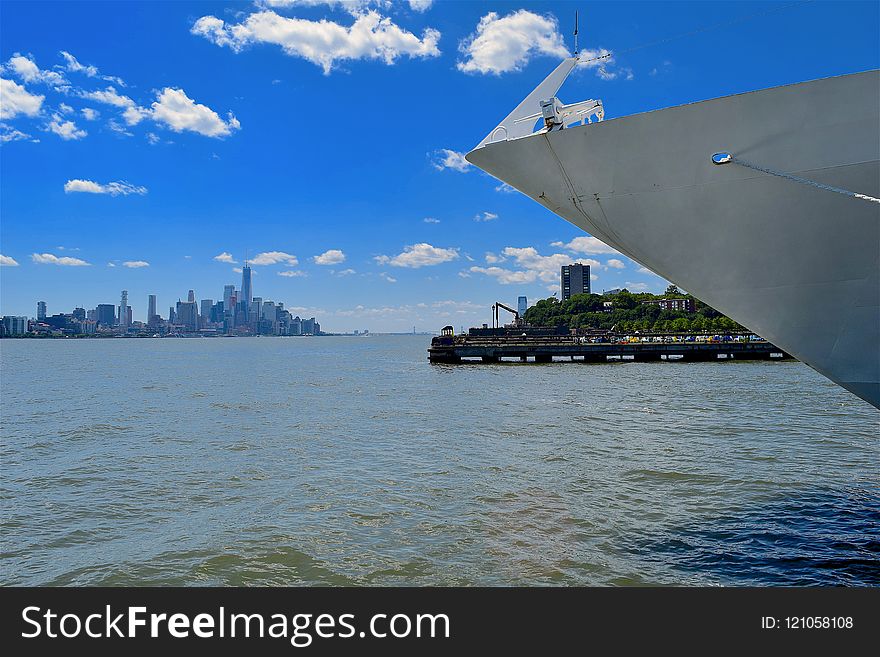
column 205, row 312
column 575, row 280
column 123, row 310
column 191, row 297
column 41, row 311
column 522, row 305
column 187, row 315
column 15, row 325
column 151, row 310
column 246, row 289
column 228, row 294
column 105, row 314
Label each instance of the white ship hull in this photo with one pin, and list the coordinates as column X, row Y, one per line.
column 793, row 262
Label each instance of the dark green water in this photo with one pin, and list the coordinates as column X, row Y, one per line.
column 353, row 461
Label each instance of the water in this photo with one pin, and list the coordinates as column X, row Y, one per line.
column 352, row 461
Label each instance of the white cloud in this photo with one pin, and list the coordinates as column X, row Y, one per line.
column 447, row 159
column 225, row 257
column 7, row 261
column 67, row 130
column 420, row 5
column 588, row 245
column 486, row 216
column 179, row 112
column 111, row 264
column 346, row 272
column 505, row 188
column 74, row 66
column 65, row 261
column 118, row 188
column 8, row 133
column 418, row 255
column 65, row 108
column 274, row 258
column 388, row 278
column 331, row 257
column 119, row 129
column 507, row 44
column 135, row 264
column 15, row 100
column 615, row 263
column 153, row 138
column 431, row 220
column 291, row 273
column 27, row 70
column 636, row 286
column 530, row 265
column 323, row 42
column 108, row 96
column 90, row 114
column 645, row 270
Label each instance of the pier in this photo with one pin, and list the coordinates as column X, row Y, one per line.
column 607, row 348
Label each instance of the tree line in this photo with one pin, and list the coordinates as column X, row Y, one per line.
column 628, row 313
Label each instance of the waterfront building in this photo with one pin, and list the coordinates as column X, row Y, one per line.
column 172, row 315
column 296, row 326
column 205, row 312
column 308, row 326
column 79, row 314
column 123, row 316
column 191, row 297
column 522, row 305
column 575, row 279
column 228, row 293
column 152, row 317
column 187, row 315
column 13, row 325
column 246, row 289
column 682, row 305
column 105, row 314
column 41, row 311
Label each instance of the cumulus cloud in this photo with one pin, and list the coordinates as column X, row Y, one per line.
column 51, row 259
column 180, row 112
column 90, row 114
column 485, row 216
column 504, row 188
column 118, row 188
column 448, row 159
column 135, row 264
column 645, row 270
column 504, row 44
column 615, row 264
column 274, row 258
column 291, row 273
column 346, row 272
column 527, row 266
column 588, row 245
column 7, row 261
column 418, row 255
column 15, row 100
column 71, row 64
column 388, row 278
column 8, row 133
column 323, row 42
column 331, row 257
column 420, row 5
column 26, row 69
column 636, row 286
column 67, row 130
column 225, row 257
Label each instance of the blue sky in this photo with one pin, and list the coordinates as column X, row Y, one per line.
column 322, row 139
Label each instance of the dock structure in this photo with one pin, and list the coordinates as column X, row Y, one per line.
column 564, row 348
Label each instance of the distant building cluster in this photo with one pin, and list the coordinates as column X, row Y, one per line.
column 238, row 313
column 683, row 305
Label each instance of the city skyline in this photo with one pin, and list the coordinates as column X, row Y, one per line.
column 124, row 166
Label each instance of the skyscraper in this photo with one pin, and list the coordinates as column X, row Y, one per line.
column 41, row 310
column 246, row 291
column 187, row 315
column 205, row 312
column 191, row 297
column 575, row 279
column 151, row 309
column 105, row 314
column 522, row 305
column 123, row 309
column 228, row 294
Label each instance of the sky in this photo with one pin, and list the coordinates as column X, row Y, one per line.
column 153, row 146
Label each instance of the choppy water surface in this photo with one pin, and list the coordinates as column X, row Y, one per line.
column 353, row 461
